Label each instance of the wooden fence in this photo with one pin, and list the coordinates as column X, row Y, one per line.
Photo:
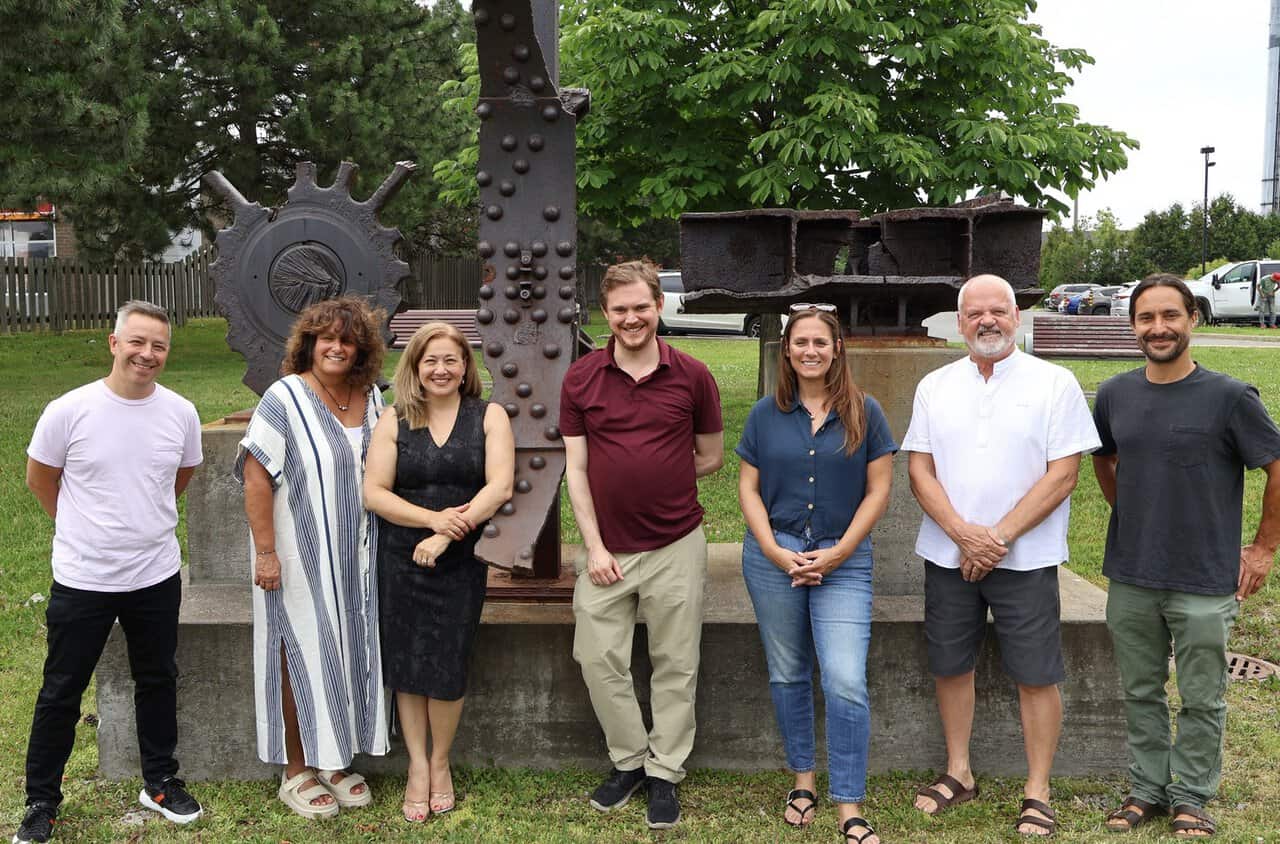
column 58, row 294
column 449, row 283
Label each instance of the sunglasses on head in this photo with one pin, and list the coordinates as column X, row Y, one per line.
column 813, row 306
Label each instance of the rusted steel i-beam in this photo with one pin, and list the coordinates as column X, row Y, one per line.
column 528, row 312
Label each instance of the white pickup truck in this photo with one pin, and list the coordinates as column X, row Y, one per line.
column 1230, row 291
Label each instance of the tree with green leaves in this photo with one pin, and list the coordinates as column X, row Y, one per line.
column 75, row 116
column 703, row 105
column 1171, row 240
column 1094, row 252
column 251, row 87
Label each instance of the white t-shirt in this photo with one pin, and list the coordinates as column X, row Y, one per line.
column 991, row 441
column 116, row 506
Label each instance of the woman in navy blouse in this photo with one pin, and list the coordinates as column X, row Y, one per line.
column 817, row 464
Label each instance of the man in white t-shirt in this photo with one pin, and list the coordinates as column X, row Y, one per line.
column 995, row 442
column 108, row 462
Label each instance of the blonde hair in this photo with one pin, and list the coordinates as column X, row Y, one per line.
column 411, row 399
column 629, row 272
column 843, row 395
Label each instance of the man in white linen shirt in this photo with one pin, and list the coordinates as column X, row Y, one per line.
column 995, row 442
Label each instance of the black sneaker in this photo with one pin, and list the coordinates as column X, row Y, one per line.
column 664, row 806
column 615, row 791
column 172, row 800
column 37, row 823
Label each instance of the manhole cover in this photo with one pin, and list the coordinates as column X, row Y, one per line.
column 1241, row 667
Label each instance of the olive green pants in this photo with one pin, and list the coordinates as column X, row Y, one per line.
column 1146, row 625
column 666, row 587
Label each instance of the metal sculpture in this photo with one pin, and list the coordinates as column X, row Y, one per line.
column 274, row 262
column 528, row 311
column 885, row 273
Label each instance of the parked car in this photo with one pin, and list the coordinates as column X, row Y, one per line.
column 1230, row 291
column 674, row 319
column 1053, row 301
column 1120, row 299
column 1096, row 302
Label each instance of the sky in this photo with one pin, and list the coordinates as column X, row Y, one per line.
column 1177, row 76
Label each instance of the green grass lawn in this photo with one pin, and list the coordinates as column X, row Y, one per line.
column 513, row 805
column 1241, row 330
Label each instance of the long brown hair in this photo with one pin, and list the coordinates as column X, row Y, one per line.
column 358, row 322
column 411, row 399
column 844, row 396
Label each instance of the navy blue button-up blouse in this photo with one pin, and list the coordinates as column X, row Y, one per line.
column 806, row 478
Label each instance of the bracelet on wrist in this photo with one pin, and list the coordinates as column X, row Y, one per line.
column 266, row 553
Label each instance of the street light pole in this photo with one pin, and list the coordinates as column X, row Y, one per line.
column 1204, row 212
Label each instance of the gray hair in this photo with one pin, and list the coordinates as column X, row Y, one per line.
column 1013, row 300
column 139, row 306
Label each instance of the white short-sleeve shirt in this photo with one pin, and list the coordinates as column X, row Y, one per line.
column 116, row 505
column 991, row 441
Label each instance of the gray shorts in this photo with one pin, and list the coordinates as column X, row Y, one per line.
column 1025, row 607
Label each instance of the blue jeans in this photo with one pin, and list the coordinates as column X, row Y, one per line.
column 835, row 620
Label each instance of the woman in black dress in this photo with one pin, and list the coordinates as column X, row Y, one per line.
column 441, row 462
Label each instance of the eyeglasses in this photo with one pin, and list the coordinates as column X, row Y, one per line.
column 813, row 306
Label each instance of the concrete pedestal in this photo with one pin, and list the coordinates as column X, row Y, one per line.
column 527, row 705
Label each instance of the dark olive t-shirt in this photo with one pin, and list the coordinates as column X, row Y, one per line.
column 1182, row 449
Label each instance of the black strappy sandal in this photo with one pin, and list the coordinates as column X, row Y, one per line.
column 856, row 821
column 800, row 794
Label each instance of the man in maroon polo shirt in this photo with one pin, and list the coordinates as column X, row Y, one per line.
column 641, row 423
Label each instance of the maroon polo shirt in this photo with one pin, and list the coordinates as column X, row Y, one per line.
column 640, row 443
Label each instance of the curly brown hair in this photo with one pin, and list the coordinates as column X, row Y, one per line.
column 358, row 323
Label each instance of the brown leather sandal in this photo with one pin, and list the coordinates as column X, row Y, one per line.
column 1049, row 823
column 959, row 794
column 1202, row 823
column 1131, row 819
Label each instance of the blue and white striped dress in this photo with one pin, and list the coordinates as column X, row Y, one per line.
column 325, row 614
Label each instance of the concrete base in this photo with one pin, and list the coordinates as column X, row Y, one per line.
column 528, row 707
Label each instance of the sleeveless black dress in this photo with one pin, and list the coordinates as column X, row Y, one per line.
column 429, row 616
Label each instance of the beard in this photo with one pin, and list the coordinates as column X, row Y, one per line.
column 990, row 344
column 1180, row 344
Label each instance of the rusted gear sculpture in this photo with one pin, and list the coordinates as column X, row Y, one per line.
column 274, row 262
column 528, row 310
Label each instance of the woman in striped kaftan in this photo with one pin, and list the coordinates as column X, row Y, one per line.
column 317, row 665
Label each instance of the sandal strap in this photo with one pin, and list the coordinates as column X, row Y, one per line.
column 1202, row 822
column 312, row 792
column 1050, row 824
column 856, row 821
column 1129, row 816
column 350, row 779
column 294, row 782
column 1040, row 806
column 801, row 794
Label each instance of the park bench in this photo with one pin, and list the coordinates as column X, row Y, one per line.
column 405, row 323
column 1054, row 336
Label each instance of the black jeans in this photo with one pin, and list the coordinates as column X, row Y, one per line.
column 79, row 622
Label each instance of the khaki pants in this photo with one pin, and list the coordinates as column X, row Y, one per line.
column 666, row 585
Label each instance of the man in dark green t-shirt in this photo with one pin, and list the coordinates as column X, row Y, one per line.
column 1176, row 439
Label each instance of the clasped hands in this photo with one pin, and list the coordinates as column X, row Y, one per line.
column 981, row 550
column 448, row 525
column 807, row 568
